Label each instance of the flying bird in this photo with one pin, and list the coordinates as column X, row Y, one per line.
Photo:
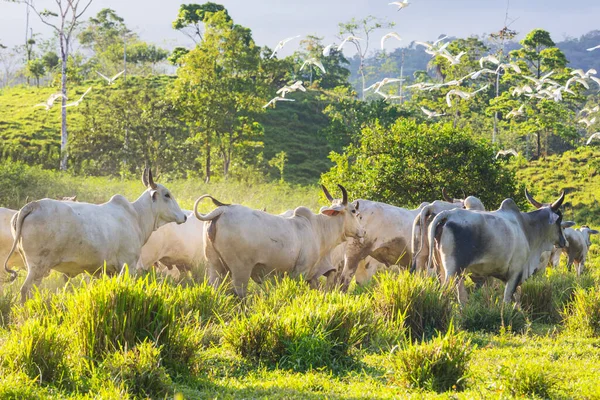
column 489, row 58
column 378, row 85
column 327, row 50
column 315, row 62
column 594, row 136
column 431, row 114
column 454, row 60
column 584, row 75
column 76, row 103
column 400, row 4
column 111, row 80
column 505, row 153
column 597, row 80
column 463, row 95
column 587, row 122
column 389, row 36
column 476, row 75
column 350, row 38
column 579, row 80
column 291, row 88
column 50, row 102
column 275, row 100
column 282, row 43
column 520, row 90
column 594, row 48
column 515, row 113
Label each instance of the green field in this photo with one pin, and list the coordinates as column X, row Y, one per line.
column 153, row 338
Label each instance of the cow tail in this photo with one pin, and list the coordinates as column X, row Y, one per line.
column 438, row 220
column 213, row 214
column 420, row 239
column 17, row 224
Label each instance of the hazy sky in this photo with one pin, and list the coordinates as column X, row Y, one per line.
column 273, row 20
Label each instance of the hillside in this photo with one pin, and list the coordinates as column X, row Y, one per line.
column 577, row 172
column 28, row 132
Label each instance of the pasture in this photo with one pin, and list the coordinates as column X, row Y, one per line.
column 400, row 336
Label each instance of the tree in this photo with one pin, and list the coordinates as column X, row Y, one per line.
column 279, row 162
column 335, row 64
column 534, row 52
column 409, row 163
column 364, row 29
column 36, row 69
column 220, row 90
column 69, row 14
column 191, row 18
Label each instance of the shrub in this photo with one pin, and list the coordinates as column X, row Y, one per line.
column 485, row 311
column 582, row 315
column 439, row 365
column 314, row 330
column 203, row 303
column 18, row 386
column 528, row 379
column 408, row 163
column 7, row 300
column 420, row 304
column 140, row 371
column 544, row 297
column 38, row 349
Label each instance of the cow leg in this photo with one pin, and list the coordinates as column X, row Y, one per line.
column 34, row 277
column 511, row 287
column 570, row 264
column 461, row 291
column 579, row 268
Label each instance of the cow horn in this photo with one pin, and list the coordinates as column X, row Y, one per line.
column 344, row 195
column 533, row 201
column 145, row 177
column 150, row 180
column 556, row 205
column 446, row 197
column 327, row 194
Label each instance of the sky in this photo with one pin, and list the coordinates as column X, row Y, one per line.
column 273, row 20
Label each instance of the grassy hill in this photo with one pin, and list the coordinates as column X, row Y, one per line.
column 577, row 172
column 29, row 133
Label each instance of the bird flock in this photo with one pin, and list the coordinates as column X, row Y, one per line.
column 534, row 88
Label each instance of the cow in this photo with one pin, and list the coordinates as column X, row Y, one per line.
column 388, row 238
column 247, row 243
column 552, row 257
column 424, row 218
column 6, row 241
column 181, row 245
column 506, row 244
column 72, row 237
column 578, row 244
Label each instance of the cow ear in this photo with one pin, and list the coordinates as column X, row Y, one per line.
column 567, row 224
column 552, row 218
column 153, row 194
column 357, row 204
column 330, row 212
column 593, row 232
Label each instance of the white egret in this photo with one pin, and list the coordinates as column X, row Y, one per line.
column 111, row 80
column 76, row 103
column 283, row 43
column 50, row 102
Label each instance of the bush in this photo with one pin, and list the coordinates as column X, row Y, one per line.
column 7, row 300
column 313, row 330
column 409, row 163
column 203, row 303
column 485, row 311
column 439, row 365
column 38, row 349
column 19, row 386
column 528, row 379
column 418, row 304
column 544, row 297
column 582, row 315
column 140, row 371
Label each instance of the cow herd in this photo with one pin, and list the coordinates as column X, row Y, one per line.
column 346, row 240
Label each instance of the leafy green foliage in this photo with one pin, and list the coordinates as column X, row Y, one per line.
column 485, row 311
column 421, row 306
column 528, row 379
column 140, row 370
column 410, row 163
column 583, row 314
column 439, row 365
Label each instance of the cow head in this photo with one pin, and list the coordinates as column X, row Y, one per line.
column 469, row 203
column 554, row 217
column 346, row 210
column 164, row 205
column 587, row 232
column 451, row 199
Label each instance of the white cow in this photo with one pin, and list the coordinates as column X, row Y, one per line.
column 578, row 244
column 72, row 237
column 388, row 238
column 420, row 242
column 506, row 244
column 6, row 242
column 181, row 245
column 247, row 243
